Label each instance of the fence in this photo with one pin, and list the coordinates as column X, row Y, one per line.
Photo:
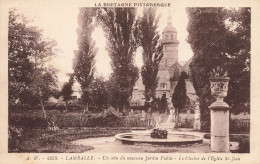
column 239, row 125
column 138, row 122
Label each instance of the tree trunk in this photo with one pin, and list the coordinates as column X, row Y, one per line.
column 85, row 108
column 230, row 115
column 43, row 110
column 66, row 105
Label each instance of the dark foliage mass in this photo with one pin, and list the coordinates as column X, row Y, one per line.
column 67, row 91
column 84, row 57
column 148, row 37
column 179, row 96
column 119, row 27
column 99, row 93
column 220, row 37
column 158, row 133
column 163, row 104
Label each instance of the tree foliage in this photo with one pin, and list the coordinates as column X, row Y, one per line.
column 163, row 105
column 220, row 37
column 119, row 27
column 99, row 93
column 67, row 91
column 18, row 57
column 31, row 79
column 179, row 96
column 84, row 57
column 149, row 38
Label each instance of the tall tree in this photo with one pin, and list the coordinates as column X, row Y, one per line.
column 179, row 96
column 220, row 37
column 119, row 27
column 149, row 39
column 29, row 54
column 163, row 104
column 84, row 57
column 43, row 75
column 19, row 66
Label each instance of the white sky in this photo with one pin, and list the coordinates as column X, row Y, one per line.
column 61, row 24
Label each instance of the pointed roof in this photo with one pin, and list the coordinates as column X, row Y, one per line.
column 186, row 66
column 176, row 64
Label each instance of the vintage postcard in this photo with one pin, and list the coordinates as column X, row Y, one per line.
column 129, row 81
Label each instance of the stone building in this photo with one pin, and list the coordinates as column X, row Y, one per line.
column 169, row 70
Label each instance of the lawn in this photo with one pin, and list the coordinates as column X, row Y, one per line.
column 43, row 141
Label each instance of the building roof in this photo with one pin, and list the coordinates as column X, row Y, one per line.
column 186, row 66
column 176, row 64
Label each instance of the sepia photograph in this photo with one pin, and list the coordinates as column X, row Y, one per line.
column 146, row 79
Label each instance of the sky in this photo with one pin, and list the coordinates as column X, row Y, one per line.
column 61, row 23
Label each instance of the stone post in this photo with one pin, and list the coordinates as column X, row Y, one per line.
column 197, row 124
column 219, row 115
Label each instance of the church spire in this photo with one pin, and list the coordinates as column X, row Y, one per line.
column 169, row 19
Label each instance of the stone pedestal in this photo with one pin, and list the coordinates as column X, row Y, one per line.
column 219, row 129
column 197, row 124
column 219, row 115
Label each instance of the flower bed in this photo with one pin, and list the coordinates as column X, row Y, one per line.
column 160, row 134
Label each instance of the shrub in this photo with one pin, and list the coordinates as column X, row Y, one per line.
column 27, row 121
column 14, row 139
column 187, row 123
column 61, row 107
column 50, row 106
column 109, row 118
column 244, row 143
column 75, row 106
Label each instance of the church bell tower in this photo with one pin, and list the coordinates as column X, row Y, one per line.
column 170, row 45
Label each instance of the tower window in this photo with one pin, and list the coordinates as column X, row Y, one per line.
column 171, row 37
column 166, row 37
column 163, row 85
